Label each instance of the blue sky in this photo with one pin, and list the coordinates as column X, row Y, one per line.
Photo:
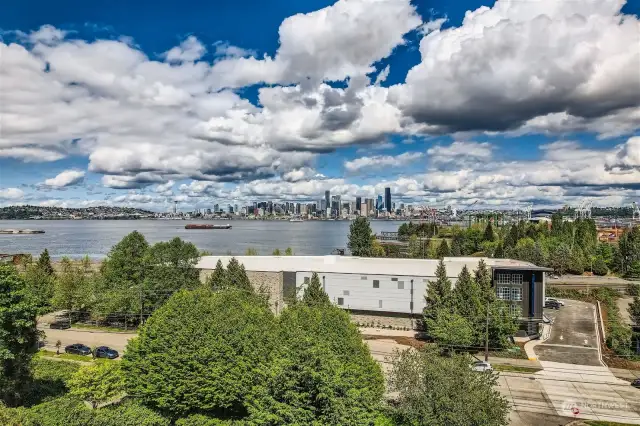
column 142, row 103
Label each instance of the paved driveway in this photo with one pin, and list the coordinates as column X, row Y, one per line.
column 117, row 341
column 573, row 338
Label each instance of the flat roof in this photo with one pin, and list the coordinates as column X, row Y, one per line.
column 363, row 265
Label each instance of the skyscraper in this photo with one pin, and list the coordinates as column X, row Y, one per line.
column 358, row 203
column 387, row 199
column 327, row 199
column 379, row 203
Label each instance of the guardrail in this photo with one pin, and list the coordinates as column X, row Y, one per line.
column 601, row 323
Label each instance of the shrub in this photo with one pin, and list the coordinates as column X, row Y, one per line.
column 633, row 289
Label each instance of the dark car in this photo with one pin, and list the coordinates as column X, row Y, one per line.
column 60, row 325
column 552, row 304
column 106, row 352
column 78, row 349
column 636, row 383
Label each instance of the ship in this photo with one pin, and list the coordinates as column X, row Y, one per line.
column 206, row 226
column 295, row 219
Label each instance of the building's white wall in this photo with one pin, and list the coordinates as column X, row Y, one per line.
column 363, row 296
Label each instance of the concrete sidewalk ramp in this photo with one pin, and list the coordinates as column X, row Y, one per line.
column 582, row 373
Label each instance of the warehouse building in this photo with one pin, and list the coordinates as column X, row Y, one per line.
column 387, row 292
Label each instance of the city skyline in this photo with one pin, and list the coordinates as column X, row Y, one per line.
column 349, row 97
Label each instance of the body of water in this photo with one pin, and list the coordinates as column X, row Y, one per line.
column 76, row 238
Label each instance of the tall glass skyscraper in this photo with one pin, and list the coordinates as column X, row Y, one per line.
column 387, row 199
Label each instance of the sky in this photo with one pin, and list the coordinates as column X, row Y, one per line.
column 447, row 103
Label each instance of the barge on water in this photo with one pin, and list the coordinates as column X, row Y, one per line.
column 206, row 226
column 21, row 231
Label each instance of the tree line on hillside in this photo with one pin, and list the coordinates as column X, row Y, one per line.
column 565, row 246
column 217, row 355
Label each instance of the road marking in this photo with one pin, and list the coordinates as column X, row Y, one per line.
column 561, row 337
column 567, row 346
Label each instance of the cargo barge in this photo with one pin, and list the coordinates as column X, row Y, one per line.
column 21, row 231
column 206, row 226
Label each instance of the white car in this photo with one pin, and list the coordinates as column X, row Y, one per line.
column 552, row 299
column 481, row 366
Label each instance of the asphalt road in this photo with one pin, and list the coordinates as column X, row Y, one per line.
column 117, row 341
column 573, row 339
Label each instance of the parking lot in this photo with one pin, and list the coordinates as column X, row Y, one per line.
column 573, row 338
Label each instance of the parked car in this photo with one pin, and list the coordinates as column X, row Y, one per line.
column 106, row 352
column 552, row 304
column 546, row 299
column 481, row 366
column 636, row 383
column 78, row 349
column 60, row 325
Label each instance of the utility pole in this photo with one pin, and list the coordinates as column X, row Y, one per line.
column 486, row 336
column 141, row 307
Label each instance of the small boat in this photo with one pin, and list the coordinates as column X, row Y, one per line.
column 206, row 226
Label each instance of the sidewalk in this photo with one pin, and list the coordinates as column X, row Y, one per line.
column 623, row 373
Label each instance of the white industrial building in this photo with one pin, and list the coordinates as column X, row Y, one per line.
column 385, row 287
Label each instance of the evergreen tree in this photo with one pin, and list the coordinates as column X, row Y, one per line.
column 483, row 281
column 218, row 278
column 456, row 250
column 443, row 250
column 512, row 238
column 488, row 233
column 237, row 276
column 467, row 297
column 414, row 247
column 360, row 237
column 539, row 256
column 499, row 251
column 314, row 295
column 438, row 295
column 44, row 263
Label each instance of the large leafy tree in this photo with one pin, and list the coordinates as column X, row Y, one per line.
column 18, row 335
column 360, row 237
column 39, row 285
column 170, row 266
column 314, row 295
column 323, row 374
column 73, row 288
column 98, row 383
column 202, row 352
column 44, row 263
column 450, row 329
column 443, row 391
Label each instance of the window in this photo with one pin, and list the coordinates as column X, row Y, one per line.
column 515, row 310
column 503, row 279
column 340, row 301
column 516, row 293
column 516, row 279
column 400, row 285
column 306, row 280
column 504, row 293
column 376, row 283
column 345, row 293
column 394, row 279
column 363, row 277
column 379, row 303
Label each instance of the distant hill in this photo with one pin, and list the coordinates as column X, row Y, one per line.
column 100, row 212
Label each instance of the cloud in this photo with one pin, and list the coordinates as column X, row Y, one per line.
column 189, row 50
column 460, row 152
column 11, row 194
column 627, row 156
column 516, row 61
column 65, row 179
column 47, row 34
column 227, row 50
column 379, row 162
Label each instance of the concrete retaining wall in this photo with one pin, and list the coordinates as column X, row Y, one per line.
column 367, row 320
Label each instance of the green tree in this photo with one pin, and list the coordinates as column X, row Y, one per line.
column 202, row 352
column 512, row 237
column 170, row 266
column 73, row 289
column 360, row 237
column 438, row 294
column 456, row 249
column 237, row 276
column 466, row 296
column 502, row 324
column 499, row 251
column 443, row 250
column 39, row 285
column 251, row 252
column 560, row 259
column 288, row 251
column 489, row 235
column 98, row 383
column 443, row 391
column 633, row 289
column 314, row 295
column 86, row 263
column 414, row 247
column 600, row 266
column 44, row 263
column 125, row 266
column 18, row 335
column 323, row 373
column 376, row 249
column 483, row 280
column 276, row 252
column 634, row 310
column 450, row 329
column 218, row 278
